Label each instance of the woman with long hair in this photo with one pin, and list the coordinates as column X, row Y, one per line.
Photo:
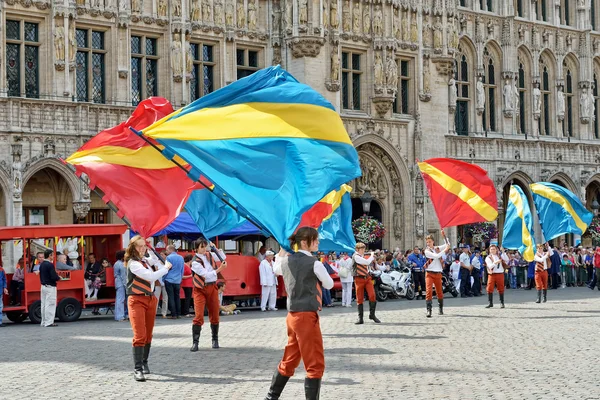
column 142, row 272
column 303, row 276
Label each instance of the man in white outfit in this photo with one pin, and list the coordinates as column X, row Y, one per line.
column 268, row 282
column 346, row 262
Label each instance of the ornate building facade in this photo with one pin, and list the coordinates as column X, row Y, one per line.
column 509, row 85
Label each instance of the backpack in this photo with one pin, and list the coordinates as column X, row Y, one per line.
column 343, row 271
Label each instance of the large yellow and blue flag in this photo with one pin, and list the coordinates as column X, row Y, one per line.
column 273, row 145
column 560, row 211
column 518, row 224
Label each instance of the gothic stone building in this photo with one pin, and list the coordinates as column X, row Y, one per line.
column 509, row 85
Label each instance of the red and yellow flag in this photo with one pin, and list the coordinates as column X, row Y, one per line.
column 147, row 188
column 323, row 210
column 461, row 193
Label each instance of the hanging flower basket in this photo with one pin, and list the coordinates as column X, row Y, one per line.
column 367, row 229
column 594, row 229
column 481, row 232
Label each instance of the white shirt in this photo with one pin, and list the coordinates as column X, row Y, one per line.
column 492, row 263
column 207, row 271
column 267, row 276
column 465, row 259
column 382, row 267
column 361, row 260
column 318, row 268
column 543, row 258
column 436, row 263
column 147, row 274
column 346, row 263
column 476, row 262
column 455, row 270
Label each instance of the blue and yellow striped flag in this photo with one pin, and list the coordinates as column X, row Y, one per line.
column 273, row 145
column 518, row 224
column 560, row 210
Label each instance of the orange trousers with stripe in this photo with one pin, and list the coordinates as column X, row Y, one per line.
column 495, row 280
column 209, row 298
column 541, row 280
column 432, row 279
column 360, row 284
column 305, row 343
column 142, row 313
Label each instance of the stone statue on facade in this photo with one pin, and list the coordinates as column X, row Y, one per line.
column 241, row 14
column 426, row 77
column 276, row 21
column 391, row 72
column 189, row 60
column 414, row 29
column 162, row 8
column 218, row 12
column 366, row 19
column 289, row 14
column 437, row 34
column 206, row 11
column 333, row 15
column 585, row 104
column 251, row 15
column 516, row 97
column 537, row 99
column 378, row 21
column 325, row 15
column 379, row 74
column 346, row 18
column 59, row 43
column 195, row 11
column 508, row 95
column 560, row 99
column 17, row 177
column 137, row 6
column 177, row 56
column 479, row 90
column 453, row 92
column 303, row 12
column 177, row 8
column 356, row 17
column 335, row 65
column 397, row 224
column 426, row 35
column 229, row 10
column 405, row 27
column 72, row 42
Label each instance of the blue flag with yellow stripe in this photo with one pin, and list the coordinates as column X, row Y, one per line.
column 273, row 145
column 560, row 210
column 518, row 224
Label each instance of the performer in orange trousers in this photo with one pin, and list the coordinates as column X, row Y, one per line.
column 303, row 276
column 495, row 265
column 433, row 275
column 362, row 281
column 542, row 264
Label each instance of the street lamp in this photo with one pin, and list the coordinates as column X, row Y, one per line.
column 366, row 199
column 595, row 206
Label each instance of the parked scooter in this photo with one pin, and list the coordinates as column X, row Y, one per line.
column 448, row 285
column 395, row 284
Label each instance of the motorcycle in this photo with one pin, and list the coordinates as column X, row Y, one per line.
column 448, row 285
column 396, row 283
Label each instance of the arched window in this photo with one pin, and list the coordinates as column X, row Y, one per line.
column 568, row 90
column 546, row 98
column 596, row 104
column 522, row 125
column 461, row 76
column 490, row 88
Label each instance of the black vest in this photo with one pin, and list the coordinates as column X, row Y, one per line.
column 301, row 284
column 137, row 285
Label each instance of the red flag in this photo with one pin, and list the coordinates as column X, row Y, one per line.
column 147, row 188
column 461, row 193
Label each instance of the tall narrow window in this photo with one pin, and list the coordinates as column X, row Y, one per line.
column 402, row 104
column 351, row 77
column 520, row 8
column 593, row 15
column 543, row 10
column 490, row 7
column 247, row 62
column 461, row 76
column 463, row 3
column 565, row 12
column 596, row 105
column 522, row 92
column 568, row 121
column 144, row 68
column 203, row 72
column 22, row 58
column 545, row 89
column 89, row 76
column 490, row 88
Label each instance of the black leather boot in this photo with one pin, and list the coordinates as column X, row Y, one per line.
column 277, row 385
column 544, row 293
column 138, row 371
column 145, row 359
column 215, row 335
column 196, row 329
column 312, row 388
column 372, row 307
column 502, row 300
column 539, row 296
column 429, row 307
column 490, row 300
column 360, row 320
column 441, row 306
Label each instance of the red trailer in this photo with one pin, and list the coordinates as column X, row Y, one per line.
column 102, row 240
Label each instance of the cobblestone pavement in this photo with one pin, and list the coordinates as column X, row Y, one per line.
column 526, row 351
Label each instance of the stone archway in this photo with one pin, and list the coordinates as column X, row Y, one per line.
column 386, row 177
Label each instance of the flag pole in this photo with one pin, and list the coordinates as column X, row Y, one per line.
column 109, row 204
column 177, row 163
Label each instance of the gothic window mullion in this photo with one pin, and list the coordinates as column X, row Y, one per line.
column 596, row 104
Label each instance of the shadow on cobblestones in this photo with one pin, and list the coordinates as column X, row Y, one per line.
column 358, row 351
column 382, row 336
